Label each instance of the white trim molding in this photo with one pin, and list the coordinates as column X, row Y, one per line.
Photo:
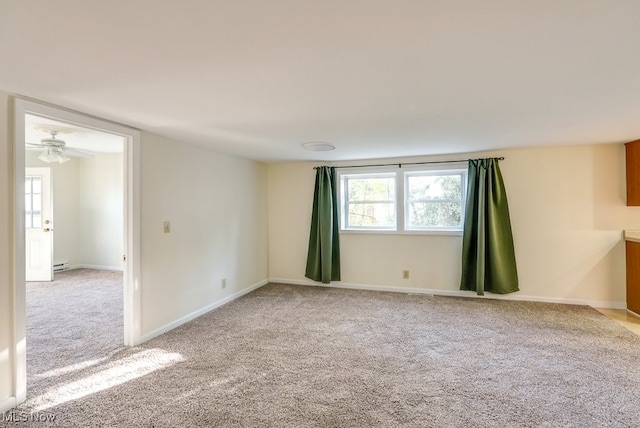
column 608, row 304
column 193, row 315
column 97, row 267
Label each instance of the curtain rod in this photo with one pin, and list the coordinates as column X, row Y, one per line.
column 405, row 163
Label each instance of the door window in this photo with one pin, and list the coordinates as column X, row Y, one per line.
column 33, row 202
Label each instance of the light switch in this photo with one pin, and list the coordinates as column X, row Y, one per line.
column 167, row 227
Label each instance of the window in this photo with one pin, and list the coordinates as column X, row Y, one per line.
column 368, row 201
column 433, row 200
column 412, row 201
column 33, row 202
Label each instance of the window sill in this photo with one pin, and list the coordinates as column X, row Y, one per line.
column 397, row 232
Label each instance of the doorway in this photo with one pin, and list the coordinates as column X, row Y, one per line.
column 74, row 198
column 38, row 230
column 129, row 258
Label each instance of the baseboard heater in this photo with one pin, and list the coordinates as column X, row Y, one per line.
column 59, row 267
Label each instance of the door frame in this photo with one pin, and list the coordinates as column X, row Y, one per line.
column 131, row 223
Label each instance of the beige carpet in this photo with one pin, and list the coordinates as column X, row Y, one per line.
column 298, row 356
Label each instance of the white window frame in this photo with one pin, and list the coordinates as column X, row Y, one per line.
column 400, row 175
column 436, row 172
column 344, row 203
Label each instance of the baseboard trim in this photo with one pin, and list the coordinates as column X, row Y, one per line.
column 7, row 404
column 168, row 327
column 609, row 304
column 98, row 267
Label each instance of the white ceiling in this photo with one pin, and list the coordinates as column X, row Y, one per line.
column 376, row 78
column 74, row 136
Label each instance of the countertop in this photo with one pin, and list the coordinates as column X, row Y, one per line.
column 632, row 235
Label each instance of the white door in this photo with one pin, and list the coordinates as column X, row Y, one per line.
column 38, row 224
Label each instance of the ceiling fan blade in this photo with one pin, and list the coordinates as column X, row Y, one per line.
column 35, row 147
column 79, row 153
column 68, row 151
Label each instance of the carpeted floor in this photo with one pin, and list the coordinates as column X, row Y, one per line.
column 298, row 356
column 75, row 319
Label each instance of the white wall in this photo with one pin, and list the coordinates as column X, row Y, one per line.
column 217, row 207
column 100, row 211
column 6, row 250
column 567, row 209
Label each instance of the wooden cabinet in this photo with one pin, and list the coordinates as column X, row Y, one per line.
column 632, row 154
column 633, row 276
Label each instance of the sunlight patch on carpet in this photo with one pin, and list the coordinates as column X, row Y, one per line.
column 119, row 372
column 71, row 368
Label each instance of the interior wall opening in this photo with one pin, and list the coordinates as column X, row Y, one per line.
column 88, row 306
column 74, row 246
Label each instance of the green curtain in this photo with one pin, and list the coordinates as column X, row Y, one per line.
column 323, row 258
column 488, row 256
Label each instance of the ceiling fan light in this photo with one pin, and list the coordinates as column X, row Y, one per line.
column 318, row 146
column 53, row 156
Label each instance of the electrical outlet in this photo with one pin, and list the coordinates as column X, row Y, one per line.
column 223, row 283
column 405, row 274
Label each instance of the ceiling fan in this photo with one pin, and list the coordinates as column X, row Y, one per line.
column 55, row 150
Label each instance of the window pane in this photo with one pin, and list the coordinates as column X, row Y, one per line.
column 37, row 220
column 27, row 221
column 37, row 202
column 37, row 184
column 27, row 203
column 371, row 189
column 434, row 214
column 369, row 201
column 430, row 187
column 372, row 215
